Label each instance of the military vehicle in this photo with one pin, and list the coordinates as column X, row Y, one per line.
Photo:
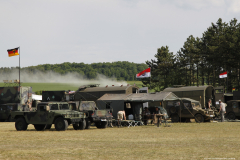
column 233, row 109
column 48, row 113
column 14, row 98
column 93, row 92
column 101, row 118
column 185, row 109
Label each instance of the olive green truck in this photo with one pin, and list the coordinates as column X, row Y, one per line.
column 48, row 113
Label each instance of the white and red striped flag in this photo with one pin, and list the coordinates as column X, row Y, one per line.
column 223, row 75
column 144, row 74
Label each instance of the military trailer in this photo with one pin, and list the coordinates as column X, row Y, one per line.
column 93, row 92
column 185, row 109
column 101, row 118
column 233, row 109
column 198, row 93
column 48, row 113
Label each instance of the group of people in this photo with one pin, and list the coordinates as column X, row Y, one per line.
column 222, row 109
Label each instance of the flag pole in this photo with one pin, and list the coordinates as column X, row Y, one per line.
column 19, row 69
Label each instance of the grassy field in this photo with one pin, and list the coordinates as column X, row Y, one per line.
column 62, row 86
column 180, row 141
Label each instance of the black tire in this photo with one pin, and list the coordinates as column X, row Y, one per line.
column 76, row 126
column 231, row 116
column 48, row 126
column 61, row 124
column 21, row 124
column 88, row 123
column 175, row 118
column 173, row 110
column 104, row 124
column 39, row 127
column 82, row 124
column 98, row 124
column 199, row 118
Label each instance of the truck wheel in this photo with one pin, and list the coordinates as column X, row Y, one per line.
column 48, row 126
column 76, row 126
column 82, row 124
column 173, row 109
column 104, row 124
column 39, row 127
column 21, row 124
column 61, row 124
column 199, row 118
column 88, row 123
column 175, row 118
column 98, row 124
column 231, row 116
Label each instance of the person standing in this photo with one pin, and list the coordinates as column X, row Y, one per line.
column 209, row 104
column 222, row 110
column 120, row 116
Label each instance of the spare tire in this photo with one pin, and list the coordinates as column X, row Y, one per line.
column 173, row 109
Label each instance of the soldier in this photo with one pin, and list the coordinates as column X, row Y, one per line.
column 222, row 110
column 120, row 116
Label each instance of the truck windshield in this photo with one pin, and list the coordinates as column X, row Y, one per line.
column 195, row 104
column 64, row 107
column 54, row 107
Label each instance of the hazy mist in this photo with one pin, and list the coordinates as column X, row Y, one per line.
column 53, row 77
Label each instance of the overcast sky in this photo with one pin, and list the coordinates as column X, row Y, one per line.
column 91, row 31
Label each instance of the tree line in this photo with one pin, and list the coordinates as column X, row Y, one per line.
column 200, row 60
column 120, row 70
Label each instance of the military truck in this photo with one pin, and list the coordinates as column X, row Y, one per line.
column 185, row 109
column 48, row 113
column 233, row 109
column 101, row 118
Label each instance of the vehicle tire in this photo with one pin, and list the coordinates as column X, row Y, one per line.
column 104, row 124
column 199, row 118
column 76, row 126
column 173, row 110
column 21, row 124
column 48, row 126
column 61, row 124
column 39, row 127
column 88, row 123
column 82, row 124
column 98, row 124
column 231, row 116
column 175, row 118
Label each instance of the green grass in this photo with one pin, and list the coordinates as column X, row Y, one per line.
column 180, row 141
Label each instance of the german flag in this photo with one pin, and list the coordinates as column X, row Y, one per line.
column 13, row 52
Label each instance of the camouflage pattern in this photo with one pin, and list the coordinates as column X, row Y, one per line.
column 12, row 95
column 56, row 96
column 233, row 109
column 185, row 109
column 95, row 115
column 48, row 112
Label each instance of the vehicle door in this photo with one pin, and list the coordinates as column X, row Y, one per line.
column 235, row 108
column 187, row 109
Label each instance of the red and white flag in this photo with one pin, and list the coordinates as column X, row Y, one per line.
column 223, row 75
column 144, row 74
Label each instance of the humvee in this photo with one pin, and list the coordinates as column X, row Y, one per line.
column 233, row 109
column 186, row 109
column 48, row 113
column 101, row 118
